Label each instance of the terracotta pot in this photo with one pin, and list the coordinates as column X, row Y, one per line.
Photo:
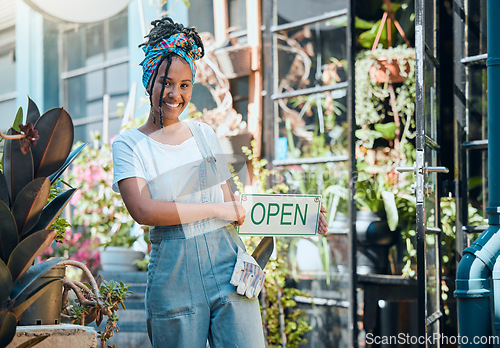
column 388, row 71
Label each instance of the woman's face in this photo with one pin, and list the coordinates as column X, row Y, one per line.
column 177, row 91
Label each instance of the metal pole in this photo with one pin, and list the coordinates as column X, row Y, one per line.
column 493, row 66
column 420, row 146
column 353, row 284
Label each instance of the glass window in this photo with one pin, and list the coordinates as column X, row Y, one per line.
column 237, row 14
column 201, row 15
column 8, row 78
column 96, row 61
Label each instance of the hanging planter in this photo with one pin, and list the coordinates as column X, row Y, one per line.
column 234, row 61
column 390, row 70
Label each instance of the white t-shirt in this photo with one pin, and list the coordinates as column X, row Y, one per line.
column 171, row 171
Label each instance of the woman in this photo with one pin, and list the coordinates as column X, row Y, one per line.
column 169, row 178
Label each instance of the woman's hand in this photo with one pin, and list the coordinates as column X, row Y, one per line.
column 322, row 225
column 232, row 211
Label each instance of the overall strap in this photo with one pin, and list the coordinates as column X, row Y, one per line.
column 199, row 137
column 207, row 156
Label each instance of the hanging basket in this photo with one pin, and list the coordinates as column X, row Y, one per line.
column 386, row 70
column 234, row 61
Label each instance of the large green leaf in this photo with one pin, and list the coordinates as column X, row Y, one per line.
column 52, row 210
column 17, row 167
column 68, row 161
column 6, row 281
column 33, row 112
column 30, row 276
column 391, row 210
column 18, row 120
column 4, row 191
column 388, row 129
column 29, row 204
column 8, row 232
column 56, row 132
column 24, row 305
column 8, row 324
column 27, row 250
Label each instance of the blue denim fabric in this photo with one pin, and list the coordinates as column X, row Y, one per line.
column 189, row 298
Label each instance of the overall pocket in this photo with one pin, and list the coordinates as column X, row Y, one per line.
column 169, row 292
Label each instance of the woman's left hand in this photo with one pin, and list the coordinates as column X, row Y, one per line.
column 322, row 225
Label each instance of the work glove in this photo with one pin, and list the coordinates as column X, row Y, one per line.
column 247, row 276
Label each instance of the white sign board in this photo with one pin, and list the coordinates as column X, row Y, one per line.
column 280, row 214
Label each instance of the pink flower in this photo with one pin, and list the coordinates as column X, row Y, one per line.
column 76, row 198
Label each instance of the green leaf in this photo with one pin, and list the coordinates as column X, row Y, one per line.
column 53, row 210
column 8, row 232
column 33, row 112
column 17, row 167
column 19, row 310
column 27, row 250
column 4, row 191
column 33, row 342
column 29, row 204
column 8, row 324
column 391, row 210
column 56, row 132
column 367, row 38
column 394, row 7
column 31, row 275
column 18, row 120
column 68, row 161
column 6, row 281
column 388, row 130
column 362, row 24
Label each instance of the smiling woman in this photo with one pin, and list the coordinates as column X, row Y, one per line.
column 172, row 176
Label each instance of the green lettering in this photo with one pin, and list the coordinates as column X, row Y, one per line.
column 285, row 213
column 263, row 213
column 302, row 217
column 269, row 213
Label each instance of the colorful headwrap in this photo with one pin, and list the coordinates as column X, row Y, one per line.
column 175, row 44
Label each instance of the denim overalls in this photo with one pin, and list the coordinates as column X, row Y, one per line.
column 188, row 297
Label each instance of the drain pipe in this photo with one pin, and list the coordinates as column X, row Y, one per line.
column 478, row 273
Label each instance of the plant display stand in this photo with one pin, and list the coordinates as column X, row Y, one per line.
column 64, row 335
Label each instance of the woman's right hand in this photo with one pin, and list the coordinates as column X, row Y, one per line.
column 232, row 211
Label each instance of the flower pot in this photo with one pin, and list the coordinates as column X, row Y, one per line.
column 47, row 309
column 385, row 70
column 234, row 61
column 374, row 239
column 231, row 146
column 115, row 258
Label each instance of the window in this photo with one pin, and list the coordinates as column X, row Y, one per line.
column 8, row 86
column 95, row 64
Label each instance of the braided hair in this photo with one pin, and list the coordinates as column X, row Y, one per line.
column 162, row 29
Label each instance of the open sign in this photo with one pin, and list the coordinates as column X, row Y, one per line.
column 280, row 214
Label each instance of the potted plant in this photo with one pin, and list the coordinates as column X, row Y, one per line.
column 34, row 156
column 94, row 300
column 99, row 212
column 117, row 253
